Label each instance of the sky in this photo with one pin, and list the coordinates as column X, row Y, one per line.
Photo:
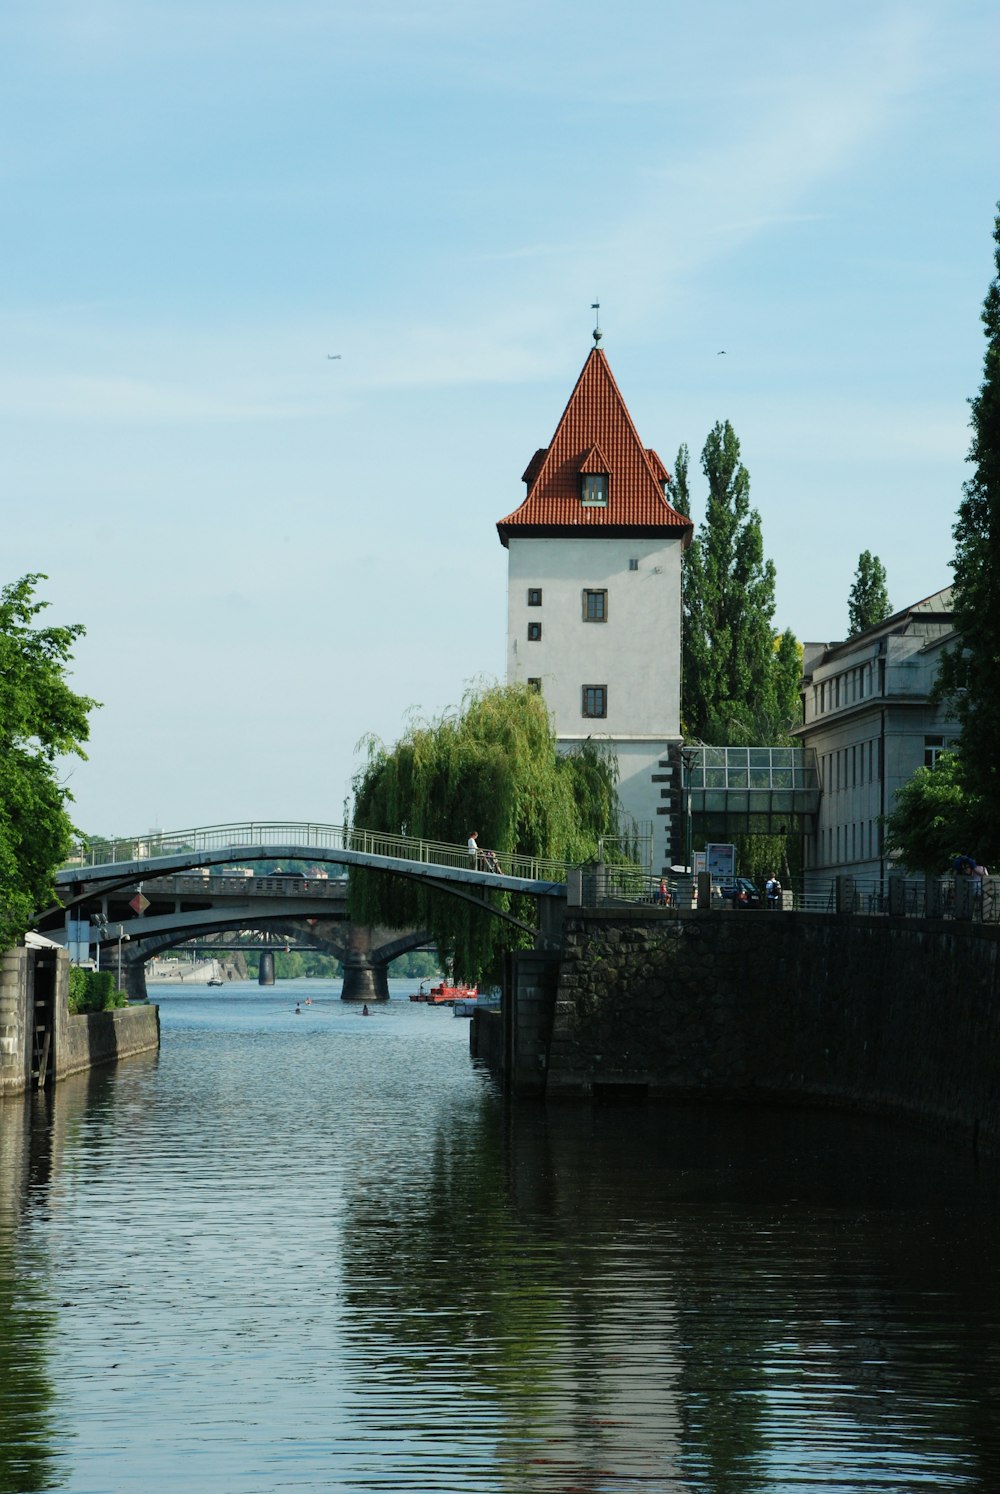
column 277, row 554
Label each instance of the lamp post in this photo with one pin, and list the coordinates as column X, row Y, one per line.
column 121, row 935
column 688, row 759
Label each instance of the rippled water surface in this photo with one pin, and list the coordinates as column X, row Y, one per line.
column 314, row 1251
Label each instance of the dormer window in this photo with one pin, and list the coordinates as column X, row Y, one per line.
column 594, row 490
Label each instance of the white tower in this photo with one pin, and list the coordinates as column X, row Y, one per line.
column 594, row 595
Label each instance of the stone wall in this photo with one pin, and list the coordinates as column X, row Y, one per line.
column 899, row 1015
column 92, row 1038
column 78, row 1041
column 15, row 1035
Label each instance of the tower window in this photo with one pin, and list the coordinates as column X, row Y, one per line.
column 595, row 606
column 534, row 632
column 534, row 596
column 534, row 684
column 595, row 700
column 633, row 565
column 594, row 490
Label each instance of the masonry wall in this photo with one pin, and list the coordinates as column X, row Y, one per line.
column 900, row 1016
column 15, row 1035
column 80, row 1041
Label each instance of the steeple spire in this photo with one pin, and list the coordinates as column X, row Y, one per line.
column 596, row 306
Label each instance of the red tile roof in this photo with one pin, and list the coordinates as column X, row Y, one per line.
column 595, row 434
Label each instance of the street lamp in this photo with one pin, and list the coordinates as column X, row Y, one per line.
column 689, row 756
column 121, row 935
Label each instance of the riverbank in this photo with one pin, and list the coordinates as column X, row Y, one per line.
column 41, row 1041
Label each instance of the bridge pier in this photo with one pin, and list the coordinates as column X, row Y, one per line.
column 265, row 971
column 365, row 979
column 134, row 974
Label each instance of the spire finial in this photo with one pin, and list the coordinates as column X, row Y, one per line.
column 596, row 306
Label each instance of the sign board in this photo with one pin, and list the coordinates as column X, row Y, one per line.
column 699, row 863
column 721, row 862
column 139, row 904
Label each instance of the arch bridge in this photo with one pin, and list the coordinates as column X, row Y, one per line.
column 142, row 895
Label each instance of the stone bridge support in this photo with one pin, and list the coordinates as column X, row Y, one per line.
column 365, row 978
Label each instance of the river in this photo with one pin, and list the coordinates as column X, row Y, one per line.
column 313, row 1251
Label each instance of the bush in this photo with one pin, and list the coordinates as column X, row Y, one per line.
column 94, row 991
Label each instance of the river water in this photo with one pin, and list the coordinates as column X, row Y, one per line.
column 314, row 1252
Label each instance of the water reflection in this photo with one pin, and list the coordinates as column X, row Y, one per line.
column 316, row 1252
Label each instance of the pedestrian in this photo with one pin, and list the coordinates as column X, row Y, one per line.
column 773, row 890
column 474, row 849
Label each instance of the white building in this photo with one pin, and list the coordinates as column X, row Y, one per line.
column 594, row 596
column 868, row 714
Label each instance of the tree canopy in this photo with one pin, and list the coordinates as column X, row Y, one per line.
column 740, row 679
column 933, row 819
column 868, row 603
column 490, row 766
column 969, row 673
column 41, row 719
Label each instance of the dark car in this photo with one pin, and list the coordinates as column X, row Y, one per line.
column 741, row 893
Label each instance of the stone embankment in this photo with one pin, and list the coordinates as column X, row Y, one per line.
column 900, row 1015
column 41, row 1041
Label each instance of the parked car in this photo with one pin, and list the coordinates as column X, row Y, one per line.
column 742, row 893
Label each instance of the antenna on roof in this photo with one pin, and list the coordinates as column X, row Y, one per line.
column 596, row 306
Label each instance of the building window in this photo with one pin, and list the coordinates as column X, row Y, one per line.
column 534, row 632
column 633, row 565
column 534, row 596
column 595, row 700
column 933, row 748
column 595, row 606
column 594, row 490
column 534, row 684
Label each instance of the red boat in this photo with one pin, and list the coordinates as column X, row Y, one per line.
column 445, row 995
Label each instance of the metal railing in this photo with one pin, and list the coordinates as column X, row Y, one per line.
column 298, row 838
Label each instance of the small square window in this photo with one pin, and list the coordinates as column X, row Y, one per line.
column 534, row 684
column 534, row 596
column 595, row 606
column 633, row 565
column 534, row 632
column 594, row 490
column 595, row 700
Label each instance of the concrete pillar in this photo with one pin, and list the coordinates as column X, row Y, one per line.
column 365, row 978
column 845, row 894
column 535, row 977
column 704, row 892
column 265, row 974
column 897, row 897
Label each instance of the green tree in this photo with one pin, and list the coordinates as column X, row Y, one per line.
column 968, row 673
column 728, row 596
column 492, row 766
column 933, row 819
column 868, row 603
column 41, row 719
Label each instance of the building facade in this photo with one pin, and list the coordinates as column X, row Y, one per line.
column 594, row 597
column 868, row 713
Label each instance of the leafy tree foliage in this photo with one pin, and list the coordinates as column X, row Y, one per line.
column 492, row 766
column 868, row 603
column 41, row 719
column 968, row 675
column 729, row 659
column 933, row 819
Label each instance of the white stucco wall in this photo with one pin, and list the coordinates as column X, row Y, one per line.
column 636, row 653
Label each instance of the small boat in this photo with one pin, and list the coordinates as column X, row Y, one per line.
column 445, row 995
column 215, row 981
column 421, row 994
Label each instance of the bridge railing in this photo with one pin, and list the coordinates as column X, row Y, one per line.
column 245, row 838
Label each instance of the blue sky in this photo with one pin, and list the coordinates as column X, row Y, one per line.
column 274, row 553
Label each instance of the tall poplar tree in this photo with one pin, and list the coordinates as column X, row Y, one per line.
column 868, row 603
column 969, row 673
column 728, row 597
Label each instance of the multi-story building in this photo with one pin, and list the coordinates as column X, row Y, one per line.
column 869, row 716
column 594, row 596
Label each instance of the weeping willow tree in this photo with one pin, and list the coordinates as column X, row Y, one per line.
column 490, row 766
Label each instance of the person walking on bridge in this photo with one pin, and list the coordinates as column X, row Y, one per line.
column 474, row 849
